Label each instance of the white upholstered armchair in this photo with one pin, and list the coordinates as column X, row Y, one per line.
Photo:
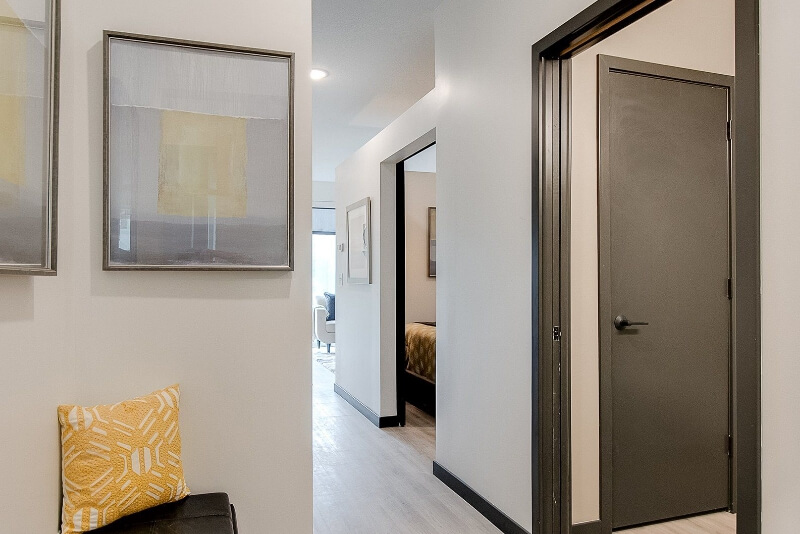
column 324, row 331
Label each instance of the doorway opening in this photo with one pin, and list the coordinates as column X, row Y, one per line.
column 416, row 288
column 604, row 421
column 664, row 256
column 323, row 285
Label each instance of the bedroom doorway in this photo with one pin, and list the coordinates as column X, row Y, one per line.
column 416, row 289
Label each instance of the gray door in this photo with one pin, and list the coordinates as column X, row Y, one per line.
column 664, row 260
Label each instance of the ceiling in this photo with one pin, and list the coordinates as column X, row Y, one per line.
column 380, row 56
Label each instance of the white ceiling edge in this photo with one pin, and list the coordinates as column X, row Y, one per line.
column 424, row 161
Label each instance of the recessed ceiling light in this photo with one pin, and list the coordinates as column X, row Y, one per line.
column 318, row 74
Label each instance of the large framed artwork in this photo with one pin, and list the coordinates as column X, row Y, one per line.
column 359, row 243
column 198, row 156
column 432, row 242
column 29, row 57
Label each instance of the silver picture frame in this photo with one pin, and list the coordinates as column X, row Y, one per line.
column 359, row 242
column 432, row 242
column 234, row 150
column 29, row 170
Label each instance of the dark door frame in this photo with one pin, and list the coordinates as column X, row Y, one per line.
column 400, row 255
column 551, row 359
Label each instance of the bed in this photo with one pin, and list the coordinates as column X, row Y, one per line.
column 420, row 377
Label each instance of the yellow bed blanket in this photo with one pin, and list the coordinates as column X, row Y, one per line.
column 421, row 350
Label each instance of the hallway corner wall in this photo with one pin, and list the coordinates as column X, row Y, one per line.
column 366, row 325
column 780, row 264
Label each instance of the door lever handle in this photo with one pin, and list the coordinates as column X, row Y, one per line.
column 621, row 322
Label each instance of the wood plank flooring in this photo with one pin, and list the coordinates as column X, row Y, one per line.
column 379, row 481
column 718, row 523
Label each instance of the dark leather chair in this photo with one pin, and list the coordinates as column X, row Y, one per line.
column 210, row 513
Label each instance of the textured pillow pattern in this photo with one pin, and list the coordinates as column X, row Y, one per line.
column 120, row 459
column 330, row 305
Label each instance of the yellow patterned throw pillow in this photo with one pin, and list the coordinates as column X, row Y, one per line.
column 120, row 459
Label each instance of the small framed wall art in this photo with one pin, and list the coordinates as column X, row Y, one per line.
column 432, row 242
column 29, row 57
column 359, row 243
column 198, row 154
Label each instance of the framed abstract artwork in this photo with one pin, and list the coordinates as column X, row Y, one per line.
column 359, row 243
column 198, row 156
column 29, row 58
column 432, row 242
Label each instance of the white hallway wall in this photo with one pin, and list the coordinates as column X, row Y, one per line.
column 237, row 342
column 484, row 193
column 420, row 288
column 366, row 314
column 780, row 258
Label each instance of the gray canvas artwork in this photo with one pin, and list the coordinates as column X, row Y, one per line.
column 25, row 81
column 359, row 243
column 199, row 157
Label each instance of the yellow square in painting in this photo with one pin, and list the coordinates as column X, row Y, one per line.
column 120, row 459
column 12, row 139
column 202, row 165
column 13, row 79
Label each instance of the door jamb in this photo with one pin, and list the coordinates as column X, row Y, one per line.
column 550, row 163
column 400, row 268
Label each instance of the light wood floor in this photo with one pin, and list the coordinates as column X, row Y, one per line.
column 379, row 481
column 718, row 523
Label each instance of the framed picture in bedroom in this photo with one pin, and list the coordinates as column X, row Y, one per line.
column 432, row 242
column 29, row 59
column 359, row 243
column 198, row 156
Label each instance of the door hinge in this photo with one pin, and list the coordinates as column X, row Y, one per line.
column 730, row 289
column 728, row 128
column 556, row 333
column 730, row 445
